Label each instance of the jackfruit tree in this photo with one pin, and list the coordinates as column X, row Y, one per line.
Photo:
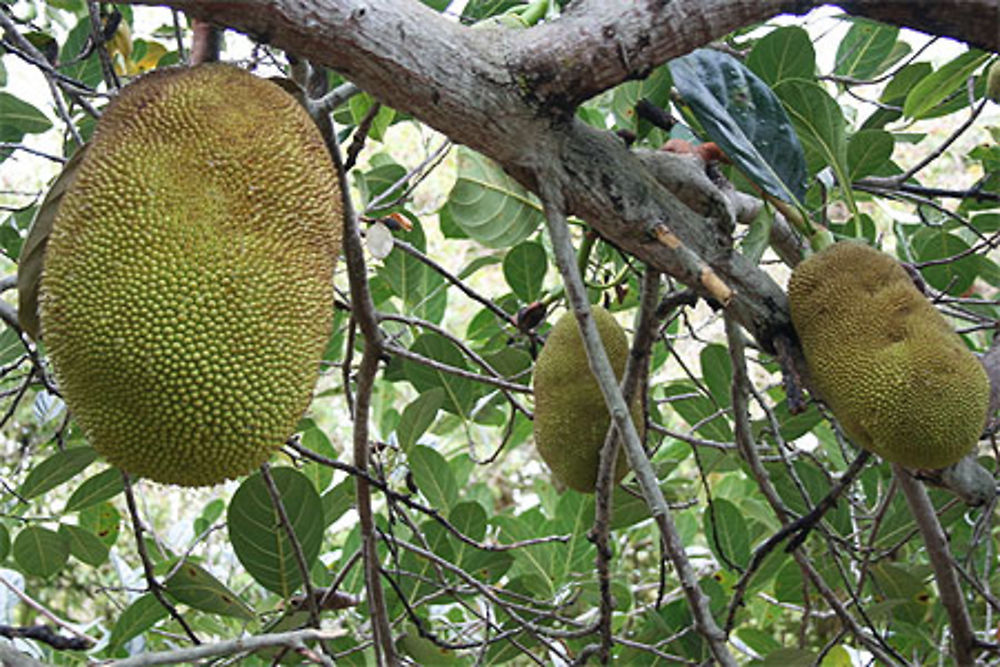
column 499, row 331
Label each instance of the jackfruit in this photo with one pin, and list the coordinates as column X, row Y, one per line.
column 187, row 290
column 571, row 418
column 897, row 377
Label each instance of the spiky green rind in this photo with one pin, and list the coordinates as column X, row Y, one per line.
column 187, row 288
column 571, row 418
column 898, row 378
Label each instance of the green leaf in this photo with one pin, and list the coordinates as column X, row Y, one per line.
column 865, row 47
column 433, row 477
column 315, row 440
column 717, row 372
column 20, row 118
column 32, row 257
column 338, row 500
column 490, row 206
column 58, row 468
column 140, row 616
column 260, row 541
column 789, row 657
column 785, row 53
column 4, row 542
column 421, row 288
column 84, row 545
column 727, row 534
column 655, row 89
column 103, row 486
column 868, row 152
column 460, row 392
column 418, row 416
column 741, row 114
column 818, row 122
column 954, row 277
column 378, row 181
column 524, row 268
column 102, row 520
column 197, row 588
column 40, row 552
column 361, row 104
column 937, row 87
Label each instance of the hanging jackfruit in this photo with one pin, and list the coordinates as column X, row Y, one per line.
column 571, row 418
column 897, row 377
column 187, row 290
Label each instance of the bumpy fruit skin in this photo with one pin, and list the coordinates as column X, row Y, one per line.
column 571, row 418
column 899, row 379
column 187, row 291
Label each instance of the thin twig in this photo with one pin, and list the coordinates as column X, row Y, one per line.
column 41, row 609
column 300, row 558
column 600, row 366
column 364, row 312
column 155, row 587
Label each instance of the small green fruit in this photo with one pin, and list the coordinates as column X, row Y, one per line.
column 899, row 379
column 571, row 418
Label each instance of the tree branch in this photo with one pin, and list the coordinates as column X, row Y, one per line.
column 962, row 634
column 597, row 358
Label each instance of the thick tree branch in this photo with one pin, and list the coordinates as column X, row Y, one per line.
column 506, row 93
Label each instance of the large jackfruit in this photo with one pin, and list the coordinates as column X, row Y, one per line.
column 187, row 289
column 571, row 418
column 898, row 378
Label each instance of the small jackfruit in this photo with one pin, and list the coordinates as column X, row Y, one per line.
column 187, row 290
column 571, row 418
column 898, row 378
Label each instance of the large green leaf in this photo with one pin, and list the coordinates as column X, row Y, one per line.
column 260, row 541
column 868, row 152
column 727, row 535
column 460, row 392
column 742, row 115
column 937, row 87
column 421, row 288
column 418, row 416
column 84, row 545
column 864, row 49
column 40, row 552
column 20, row 118
column 717, row 372
column 524, row 268
column 4, row 542
column 57, row 469
column 103, row 486
column 490, row 206
column 654, row 89
column 818, row 122
column 433, row 477
column 197, row 588
column 785, row 53
column 141, row 615
column 956, row 276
